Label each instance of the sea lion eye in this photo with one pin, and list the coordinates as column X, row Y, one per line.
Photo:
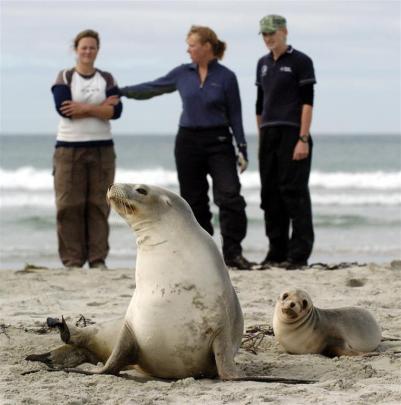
column 142, row 191
column 304, row 304
column 285, row 296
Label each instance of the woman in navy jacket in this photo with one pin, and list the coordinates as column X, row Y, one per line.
column 211, row 116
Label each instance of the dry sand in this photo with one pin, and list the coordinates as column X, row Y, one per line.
column 27, row 298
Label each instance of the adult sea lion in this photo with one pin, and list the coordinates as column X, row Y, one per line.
column 302, row 328
column 184, row 319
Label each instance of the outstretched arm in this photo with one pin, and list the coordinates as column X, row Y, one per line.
column 144, row 91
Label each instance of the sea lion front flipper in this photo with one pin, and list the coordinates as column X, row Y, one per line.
column 338, row 347
column 338, row 351
column 125, row 352
column 224, row 357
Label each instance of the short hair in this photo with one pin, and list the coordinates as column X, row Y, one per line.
column 86, row 34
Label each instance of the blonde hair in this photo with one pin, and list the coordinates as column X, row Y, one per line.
column 86, row 34
column 205, row 35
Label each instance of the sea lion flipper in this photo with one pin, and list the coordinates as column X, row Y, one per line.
column 62, row 327
column 341, row 350
column 224, row 357
column 52, row 322
column 269, row 379
column 64, row 356
column 42, row 357
column 125, row 352
column 64, row 331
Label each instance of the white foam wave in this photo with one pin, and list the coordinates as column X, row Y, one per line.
column 365, row 180
column 358, row 199
column 15, row 199
column 31, row 179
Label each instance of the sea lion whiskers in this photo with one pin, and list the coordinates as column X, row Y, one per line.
column 127, row 206
column 130, row 206
column 289, row 312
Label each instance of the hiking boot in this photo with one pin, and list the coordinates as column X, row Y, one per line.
column 73, row 266
column 293, row 265
column 239, row 263
column 268, row 263
column 271, row 260
column 100, row 265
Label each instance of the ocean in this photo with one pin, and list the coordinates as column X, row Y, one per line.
column 355, row 188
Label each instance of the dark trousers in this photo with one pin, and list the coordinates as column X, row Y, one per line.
column 202, row 152
column 82, row 176
column 285, row 196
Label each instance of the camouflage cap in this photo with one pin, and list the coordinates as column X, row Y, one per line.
column 271, row 23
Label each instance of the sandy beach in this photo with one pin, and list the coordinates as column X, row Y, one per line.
column 28, row 297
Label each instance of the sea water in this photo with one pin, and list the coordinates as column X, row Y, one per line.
column 355, row 188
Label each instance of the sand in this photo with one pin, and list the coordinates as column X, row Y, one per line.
column 27, row 298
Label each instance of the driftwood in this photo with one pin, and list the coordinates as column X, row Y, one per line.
column 83, row 321
column 254, row 336
column 337, row 266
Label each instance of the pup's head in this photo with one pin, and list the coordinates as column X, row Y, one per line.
column 293, row 304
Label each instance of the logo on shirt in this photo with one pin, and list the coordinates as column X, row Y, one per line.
column 286, row 69
column 90, row 89
column 214, row 84
column 264, row 70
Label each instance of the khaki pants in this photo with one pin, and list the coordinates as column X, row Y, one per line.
column 82, row 176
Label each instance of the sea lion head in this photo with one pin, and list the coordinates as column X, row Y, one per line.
column 293, row 305
column 142, row 203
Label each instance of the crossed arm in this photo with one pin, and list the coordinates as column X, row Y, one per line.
column 104, row 111
column 110, row 108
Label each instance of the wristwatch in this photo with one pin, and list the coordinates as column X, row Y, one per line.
column 303, row 138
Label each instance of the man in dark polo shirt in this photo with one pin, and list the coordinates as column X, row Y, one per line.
column 284, row 80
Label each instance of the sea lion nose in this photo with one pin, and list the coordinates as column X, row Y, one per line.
column 292, row 305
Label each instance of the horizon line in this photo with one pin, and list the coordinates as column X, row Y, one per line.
column 174, row 134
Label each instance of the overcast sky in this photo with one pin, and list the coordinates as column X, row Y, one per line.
column 355, row 46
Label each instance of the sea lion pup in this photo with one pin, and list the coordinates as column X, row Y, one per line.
column 302, row 328
column 184, row 319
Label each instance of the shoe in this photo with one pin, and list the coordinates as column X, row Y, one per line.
column 272, row 259
column 268, row 264
column 239, row 263
column 293, row 265
column 101, row 265
column 73, row 266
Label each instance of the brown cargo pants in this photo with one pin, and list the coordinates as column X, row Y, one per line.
column 82, row 176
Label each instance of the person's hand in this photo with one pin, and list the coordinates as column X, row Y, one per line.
column 70, row 108
column 301, row 151
column 111, row 100
column 242, row 157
